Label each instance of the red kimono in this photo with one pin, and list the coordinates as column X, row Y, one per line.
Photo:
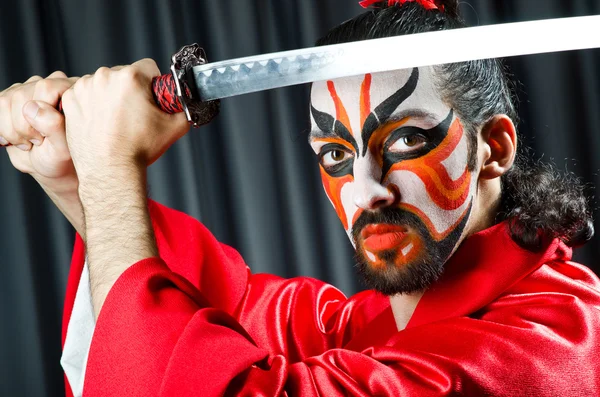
column 502, row 321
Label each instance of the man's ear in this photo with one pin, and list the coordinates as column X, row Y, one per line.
column 500, row 146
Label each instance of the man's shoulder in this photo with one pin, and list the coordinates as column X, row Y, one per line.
column 561, row 287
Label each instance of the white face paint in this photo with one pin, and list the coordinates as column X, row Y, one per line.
column 388, row 141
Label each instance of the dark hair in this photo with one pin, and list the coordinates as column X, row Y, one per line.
column 538, row 201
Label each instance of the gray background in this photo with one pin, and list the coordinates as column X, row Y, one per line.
column 249, row 175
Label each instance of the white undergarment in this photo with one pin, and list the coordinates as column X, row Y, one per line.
column 79, row 335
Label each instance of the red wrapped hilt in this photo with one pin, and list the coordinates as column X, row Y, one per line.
column 165, row 94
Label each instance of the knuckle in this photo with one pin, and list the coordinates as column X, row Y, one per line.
column 67, row 96
column 9, row 89
column 150, row 63
column 130, row 73
column 102, row 72
column 13, row 86
column 42, row 87
column 57, row 74
column 33, row 78
column 131, row 77
column 80, row 84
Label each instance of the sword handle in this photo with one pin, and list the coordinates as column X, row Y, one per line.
column 176, row 92
column 164, row 91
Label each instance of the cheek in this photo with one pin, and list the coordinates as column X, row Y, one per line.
column 437, row 186
column 339, row 192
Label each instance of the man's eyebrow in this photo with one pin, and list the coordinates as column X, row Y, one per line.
column 381, row 114
column 329, row 127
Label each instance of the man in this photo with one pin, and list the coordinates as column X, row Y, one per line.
column 466, row 253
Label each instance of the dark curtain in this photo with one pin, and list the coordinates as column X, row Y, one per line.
column 249, row 175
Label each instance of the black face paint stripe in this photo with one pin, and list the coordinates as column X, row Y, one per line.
column 434, row 136
column 332, row 127
column 385, row 109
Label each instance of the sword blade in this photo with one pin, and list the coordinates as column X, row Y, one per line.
column 267, row 71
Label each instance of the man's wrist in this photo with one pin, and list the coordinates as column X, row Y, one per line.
column 111, row 182
column 65, row 195
column 118, row 229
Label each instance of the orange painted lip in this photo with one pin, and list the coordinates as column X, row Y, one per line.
column 381, row 237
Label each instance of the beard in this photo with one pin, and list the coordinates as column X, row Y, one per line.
column 413, row 276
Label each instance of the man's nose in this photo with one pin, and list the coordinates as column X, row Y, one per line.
column 369, row 192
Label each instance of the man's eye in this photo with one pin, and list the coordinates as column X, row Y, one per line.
column 408, row 143
column 333, row 157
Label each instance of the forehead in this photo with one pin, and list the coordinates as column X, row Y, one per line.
column 354, row 91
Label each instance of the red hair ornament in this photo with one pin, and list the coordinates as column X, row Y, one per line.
column 427, row 4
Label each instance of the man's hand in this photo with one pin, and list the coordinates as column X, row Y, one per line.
column 30, row 122
column 112, row 120
column 114, row 130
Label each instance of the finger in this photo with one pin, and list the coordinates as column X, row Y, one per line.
column 23, row 135
column 5, row 120
column 57, row 75
column 51, row 90
column 33, row 78
column 48, row 121
column 9, row 89
column 19, row 159
column 147, row 67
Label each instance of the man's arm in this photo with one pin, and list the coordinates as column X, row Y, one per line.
column 118, row 229
column 114, row 131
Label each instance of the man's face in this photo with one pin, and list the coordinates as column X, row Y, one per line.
column 396, row 165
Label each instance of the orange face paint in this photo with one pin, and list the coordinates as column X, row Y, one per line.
column 448, row 194
column 407, row 251
column 338, row 141
column 340, row 111
column 365, row 98
column 333, row 188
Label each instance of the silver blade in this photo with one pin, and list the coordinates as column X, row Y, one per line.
column 263, row 72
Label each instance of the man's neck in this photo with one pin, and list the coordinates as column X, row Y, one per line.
column 403, row 307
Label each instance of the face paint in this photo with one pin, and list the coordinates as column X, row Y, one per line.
column 394, row 162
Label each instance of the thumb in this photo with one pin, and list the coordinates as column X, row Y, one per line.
column 47, row 120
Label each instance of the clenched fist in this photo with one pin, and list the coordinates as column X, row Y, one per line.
column 113, row 123
column 30, row 123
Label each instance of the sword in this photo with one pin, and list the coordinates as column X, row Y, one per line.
column 193, row 86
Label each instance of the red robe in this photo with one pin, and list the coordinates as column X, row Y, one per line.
column 502, row 321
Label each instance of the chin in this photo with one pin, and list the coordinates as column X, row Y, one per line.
column 390, row 277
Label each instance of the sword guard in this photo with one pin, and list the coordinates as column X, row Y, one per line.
column 182, row 62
